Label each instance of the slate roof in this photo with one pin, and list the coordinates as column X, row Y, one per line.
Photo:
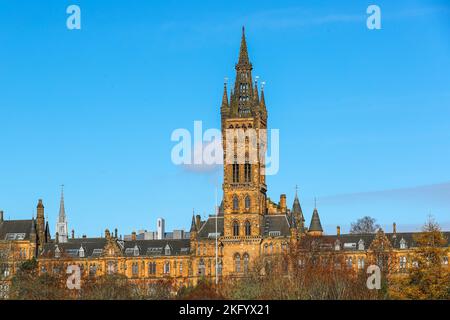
column 209, row 227
column 315, row 224
column 93, row 247
column 368, row 238
column 15, row 226
column 157, row 247
column 72, row 246
column 276, row 223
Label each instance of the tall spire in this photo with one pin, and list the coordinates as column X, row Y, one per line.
column 61, row 225
column 193, row 224
column 225, row 96
column 62, row 211
column 262, row 102
column 243, row 53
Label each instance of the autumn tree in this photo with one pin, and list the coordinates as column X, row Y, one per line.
column 309, row 270
column 29, row 284
column 427, row 276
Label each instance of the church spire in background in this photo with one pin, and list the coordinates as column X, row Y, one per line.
column 61, row 225
column 62, row 210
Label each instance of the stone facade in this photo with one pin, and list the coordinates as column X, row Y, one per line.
column 248, row 224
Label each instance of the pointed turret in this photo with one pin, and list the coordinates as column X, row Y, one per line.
column 193, row 230
column 298, row 213
column 315, row 227
column 225, row 97
column 243, row 52
column 193, row 224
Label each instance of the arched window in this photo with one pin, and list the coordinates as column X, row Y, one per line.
column 360, row 263
column 235, row 172
column 235, row 228
column 248, row 228
column 135, row 269
column 235, row 203
column 201, row 267
column 247, row 202
column 247, row 171
column 237, row 262
column 246, row 259
column 151, row 268
column 265, row 248
column 167, row 267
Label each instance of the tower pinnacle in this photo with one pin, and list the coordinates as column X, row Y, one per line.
column 243, row 53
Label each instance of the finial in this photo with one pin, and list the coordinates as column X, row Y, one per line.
column 256, row 79
column 315, row 202
column 243, row 31
column 296, row 190
column 225, row 81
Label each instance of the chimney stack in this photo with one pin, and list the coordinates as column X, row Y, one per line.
column 133, row 236
column 338, row 230
column 283, row 203
column 115, row 233
column 73, row 234
column 84, row 236
column 1, row 215
column 394, row 228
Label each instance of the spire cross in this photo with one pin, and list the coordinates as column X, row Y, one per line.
column 296, row 189
column 315, row 202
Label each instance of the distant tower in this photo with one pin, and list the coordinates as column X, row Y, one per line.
column 61, row 225
column 160, row 228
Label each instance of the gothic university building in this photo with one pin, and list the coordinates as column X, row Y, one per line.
column 248, row 224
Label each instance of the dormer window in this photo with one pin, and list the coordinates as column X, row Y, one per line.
column 81, row 252
column 57, row 252
column 167, row 250
column 337, row 246
column 135, row 251
column 403, row 244
column 361, row 244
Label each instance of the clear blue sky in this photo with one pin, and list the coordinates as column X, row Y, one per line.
column 364, row 116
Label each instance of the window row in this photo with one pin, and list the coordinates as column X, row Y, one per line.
column 247, row 203
column 236, row 228
column 247, row 172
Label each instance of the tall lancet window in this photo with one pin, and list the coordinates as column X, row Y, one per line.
column 247, row 202
column 235, row 172
column 235, row 203
column 235, row 228
column 248, row 171
column 248, row 228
